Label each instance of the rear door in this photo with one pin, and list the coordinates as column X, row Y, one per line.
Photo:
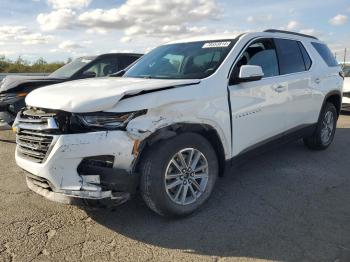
column 258, row 107
column 295, row 64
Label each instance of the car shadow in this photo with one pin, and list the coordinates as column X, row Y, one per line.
column 288, row 204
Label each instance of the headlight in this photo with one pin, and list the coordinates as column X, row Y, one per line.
column 11, row 97
column 109, row 120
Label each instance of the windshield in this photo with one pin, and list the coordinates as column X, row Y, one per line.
column 70, row 69
column 194, row 60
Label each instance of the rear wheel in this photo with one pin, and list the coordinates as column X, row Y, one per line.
column 178, row 175
column 325, row 130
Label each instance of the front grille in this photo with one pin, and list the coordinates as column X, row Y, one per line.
column 35, row 134
column 33, row 145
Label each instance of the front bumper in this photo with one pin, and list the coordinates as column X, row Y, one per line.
column 58, row 177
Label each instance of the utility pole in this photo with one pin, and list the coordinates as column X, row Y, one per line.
column 344, row 56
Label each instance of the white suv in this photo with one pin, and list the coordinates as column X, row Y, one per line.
column 171, row 123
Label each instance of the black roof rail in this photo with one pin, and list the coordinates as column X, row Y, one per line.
column 289, row 32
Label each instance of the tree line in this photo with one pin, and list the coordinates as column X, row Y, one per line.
column 21, row 65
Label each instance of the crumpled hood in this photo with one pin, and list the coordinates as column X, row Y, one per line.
column 93, row 95
column 13, row 81
column 346, row 85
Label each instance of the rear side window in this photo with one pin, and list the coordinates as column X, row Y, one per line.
column 289, row 56
column 307, row 59
column 325, row 53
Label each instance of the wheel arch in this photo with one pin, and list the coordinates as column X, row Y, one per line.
column 335, row 98
column 205, row 130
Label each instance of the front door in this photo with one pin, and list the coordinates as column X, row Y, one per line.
column 257, row 107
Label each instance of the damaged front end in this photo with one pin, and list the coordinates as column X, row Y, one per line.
column 71, row 157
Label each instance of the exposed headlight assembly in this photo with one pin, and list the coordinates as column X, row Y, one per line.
column 106, row 120
column 11, row 97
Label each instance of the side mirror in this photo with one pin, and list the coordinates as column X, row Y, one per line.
column 249, row 73
column 88, row 74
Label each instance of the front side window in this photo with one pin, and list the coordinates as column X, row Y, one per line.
column 68, row 70
column 125, row 61
column 103, row 67
column 289, row 56
column 325, row 53
column 195, row 60
column 261, row 53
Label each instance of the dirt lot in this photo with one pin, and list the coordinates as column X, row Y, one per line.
column 289, row 204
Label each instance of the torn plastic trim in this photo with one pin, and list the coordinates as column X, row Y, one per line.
column 143, row 92
column 76, row 197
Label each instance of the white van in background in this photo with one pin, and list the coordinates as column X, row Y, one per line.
column 346, row 89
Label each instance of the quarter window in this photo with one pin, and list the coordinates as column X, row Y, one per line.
column 289, row 56
column 307, row 59
column 325, row 53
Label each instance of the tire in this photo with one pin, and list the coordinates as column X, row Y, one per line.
column 157, row 162
column 317, row 141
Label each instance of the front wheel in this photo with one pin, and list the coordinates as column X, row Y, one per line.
column 178, row 175
column 325, row 130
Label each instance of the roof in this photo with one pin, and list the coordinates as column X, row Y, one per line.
column 124, row 54
column 270, row 32
column 206, row 38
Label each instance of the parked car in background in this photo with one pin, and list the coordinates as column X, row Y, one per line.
column 174, row 120
column 346, row 89
column 13, row 89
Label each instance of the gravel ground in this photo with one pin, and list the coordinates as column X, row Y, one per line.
column 289, row 204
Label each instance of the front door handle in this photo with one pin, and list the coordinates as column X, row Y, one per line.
column 280, row 89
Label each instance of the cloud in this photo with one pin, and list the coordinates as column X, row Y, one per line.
column 11, row 32
column 338, row 20
column 69, row 45
column 125, row 39
column 59, row 19
column 69, row 4
column 35, row 39
column 309, row 31
column 6, row 52
column 152, row 18
column 292, row 25
column 259, row 19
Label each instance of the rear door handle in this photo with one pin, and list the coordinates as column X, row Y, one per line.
column 280, row 89
column 317, row 80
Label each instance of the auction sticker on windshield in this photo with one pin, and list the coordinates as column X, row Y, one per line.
column 216, row 44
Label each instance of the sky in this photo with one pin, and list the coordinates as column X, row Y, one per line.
column 60, row 29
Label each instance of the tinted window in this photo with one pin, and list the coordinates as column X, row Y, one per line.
column 290, row 57
column 103, row 67
column 261, row 53
column 307, row 59
column 125, row 61
column 73, row 67
column 346, row 71
column 326, row 54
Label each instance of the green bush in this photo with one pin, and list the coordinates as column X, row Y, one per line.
column 23, row 66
